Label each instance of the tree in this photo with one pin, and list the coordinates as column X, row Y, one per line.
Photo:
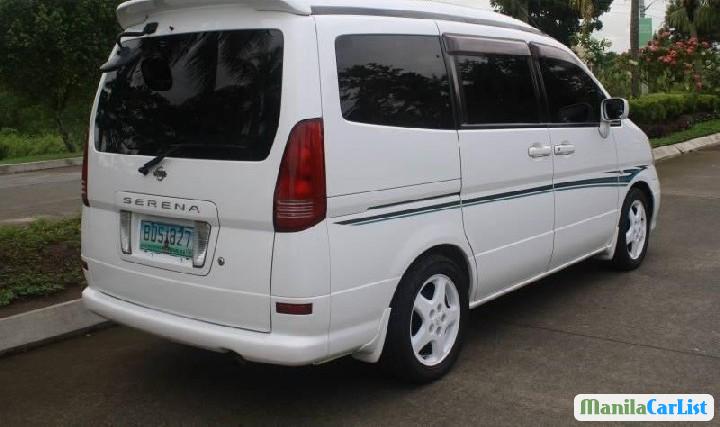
column 560, row 19
column 518, row 9
column 591, row 50
column 52, row 49
column 586, row 9
column 695, row 18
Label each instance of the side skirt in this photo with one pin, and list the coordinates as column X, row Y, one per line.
column 496, row 295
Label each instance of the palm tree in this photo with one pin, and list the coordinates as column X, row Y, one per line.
column 694, row 17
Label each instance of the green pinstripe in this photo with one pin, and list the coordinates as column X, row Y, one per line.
column 620, row 179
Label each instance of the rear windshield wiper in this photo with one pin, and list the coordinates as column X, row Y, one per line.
column 171, row 149
column 145, row 169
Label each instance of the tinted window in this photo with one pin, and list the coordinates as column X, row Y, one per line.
column 215, row 93
column 394, row 81
column 573, row 96
column 497, row 89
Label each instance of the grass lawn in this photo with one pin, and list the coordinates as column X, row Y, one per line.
column 699, row 129
column 39, row 259
column 38, row 158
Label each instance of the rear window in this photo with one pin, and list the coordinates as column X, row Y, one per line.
column 212, row 95
column 394, row 80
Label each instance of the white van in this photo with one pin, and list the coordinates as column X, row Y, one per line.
column 297, row 180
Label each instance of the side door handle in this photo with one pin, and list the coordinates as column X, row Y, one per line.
column 564, row 149
column 538, row 150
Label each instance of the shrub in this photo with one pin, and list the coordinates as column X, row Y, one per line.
column 658, row 108
column 15, row 144
column 708, row 104
column 39, row 259
column 672, row 61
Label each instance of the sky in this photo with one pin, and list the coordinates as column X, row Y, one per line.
column 616, row 22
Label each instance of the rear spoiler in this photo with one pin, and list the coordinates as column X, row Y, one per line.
column 135, row 12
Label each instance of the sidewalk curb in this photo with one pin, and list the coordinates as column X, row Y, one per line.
column 44, row 324
column 670, row 151
column 38, row 166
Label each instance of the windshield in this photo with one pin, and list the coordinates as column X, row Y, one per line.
column 215, row 93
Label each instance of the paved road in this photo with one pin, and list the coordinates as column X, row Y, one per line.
column 656, row 330
column 54, row 192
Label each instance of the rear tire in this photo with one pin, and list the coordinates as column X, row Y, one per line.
column 633, row 232
column 427, row 321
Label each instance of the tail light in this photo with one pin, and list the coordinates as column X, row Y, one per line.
column 84, row 181
column 300, row 193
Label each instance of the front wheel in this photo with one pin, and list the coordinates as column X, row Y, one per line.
column 427, row 321
column 634, row 232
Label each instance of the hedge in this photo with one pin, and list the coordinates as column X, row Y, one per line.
column 14, row 144
column 658, row 108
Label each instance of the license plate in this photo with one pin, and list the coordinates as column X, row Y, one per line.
column 170, row 239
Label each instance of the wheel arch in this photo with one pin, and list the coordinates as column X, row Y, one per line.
column 645, row 188
column 453, row 252
column 371, row 352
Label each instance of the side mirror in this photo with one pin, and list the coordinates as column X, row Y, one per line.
column 612, row 109
column 615, row 109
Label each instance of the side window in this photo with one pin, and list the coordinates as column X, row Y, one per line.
column 394, row 80
column 573, row 96
column 497, row 88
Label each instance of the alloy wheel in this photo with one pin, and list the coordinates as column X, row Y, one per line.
column 637, row 231
column 435, row 321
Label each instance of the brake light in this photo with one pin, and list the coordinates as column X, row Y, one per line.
column 300, row 193
column 84, row 181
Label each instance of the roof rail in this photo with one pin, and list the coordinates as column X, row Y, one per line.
column 419, row 14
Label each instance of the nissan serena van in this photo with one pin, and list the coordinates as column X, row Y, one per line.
column 297, row 180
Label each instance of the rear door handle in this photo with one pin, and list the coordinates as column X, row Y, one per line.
column 564, row 149
column 539, row 150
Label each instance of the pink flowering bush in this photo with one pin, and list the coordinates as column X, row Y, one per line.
column 670, row 62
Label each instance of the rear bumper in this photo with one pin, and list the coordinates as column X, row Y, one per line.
column 281, row 349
